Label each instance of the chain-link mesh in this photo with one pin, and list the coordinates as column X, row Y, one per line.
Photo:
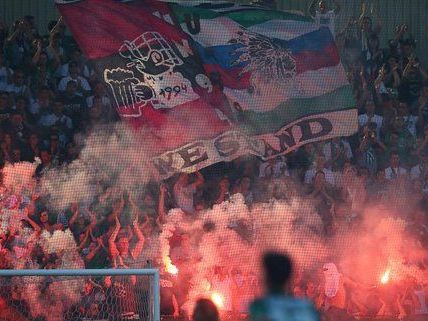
column 77, row 298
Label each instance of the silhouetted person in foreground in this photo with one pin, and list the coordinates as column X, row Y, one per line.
column 205, row 310
column 277, row 305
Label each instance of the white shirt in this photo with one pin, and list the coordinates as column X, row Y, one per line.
column 51, row 119
column 104, row 100
column 393, row 173
column 326, row 20
column 310, row 174
column 276, row 169
column 364, row 119
column 19, row 90
column 411, row 122
column 416, row 172
column 35, row 107
column 184, row 197
column 64, row 71
column 4, row 75
column 83, row 82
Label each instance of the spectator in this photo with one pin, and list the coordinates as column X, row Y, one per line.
column 57, row 121
column 6, row 146
column 323, row 201
column 41, row 105
column 244, row 187
column 389, row 77
column 366, row 28
column 319, row 165
column 55, row 50
column 184, row 191
column 83, row 87
column 335, row 292
column 4, row 108
column 32, row 148
column 372, row 57
column 19, row 87
column 414, row 75
column 5, row 74
column 419, row 171
column 394, row 170
column 273, row 168
column 423, row 106
column 74, row 104
column 17, row 127
column 337, row 151
column 205, row 310
column 100, row 93
column 410, row 121
column 322, row 15
column 76, row 57
column 17, row 46
column 223, row 190
column 45, row 164
column 21, row 106
column 276, row 305
column 371, row 116
column 400, row 140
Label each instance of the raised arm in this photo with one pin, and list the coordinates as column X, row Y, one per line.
column 57, row 26
column 421, row 106
column 111, row 241
column 84, row 241
column 19, row 29
column 161, row 205
column 92, row 254
column 36, row 57
column 140, row 244
column 312, row 8
column 337, row 7
column 33, row 224
column 75, row 210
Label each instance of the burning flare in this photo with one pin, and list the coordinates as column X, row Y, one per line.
column 385, row 277
column 218, row 300
column 169, row 267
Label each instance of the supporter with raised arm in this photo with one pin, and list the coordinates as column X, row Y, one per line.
column 162, row 212
column 122, row 288
column 120, row 253
column 324, row 17
column 366, row 26
column 185, row 191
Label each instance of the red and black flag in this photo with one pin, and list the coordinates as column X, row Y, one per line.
column 152, row 74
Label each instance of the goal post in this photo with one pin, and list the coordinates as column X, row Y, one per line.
column 80, row 294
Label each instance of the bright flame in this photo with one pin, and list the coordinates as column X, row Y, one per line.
column 218, row 300
column 169, row 267
column 385, row 277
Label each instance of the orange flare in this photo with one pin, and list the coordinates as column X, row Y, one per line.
column 169, row 267
column 218, row 300
column 385, row 277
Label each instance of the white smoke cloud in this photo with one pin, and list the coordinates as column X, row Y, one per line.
column 112, row 155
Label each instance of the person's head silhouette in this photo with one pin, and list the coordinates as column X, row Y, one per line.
column 278, row 269
column 205, row 310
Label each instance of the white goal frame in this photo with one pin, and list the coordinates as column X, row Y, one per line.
column 155, row 285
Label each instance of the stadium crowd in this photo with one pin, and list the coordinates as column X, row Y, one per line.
column 50, row 96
